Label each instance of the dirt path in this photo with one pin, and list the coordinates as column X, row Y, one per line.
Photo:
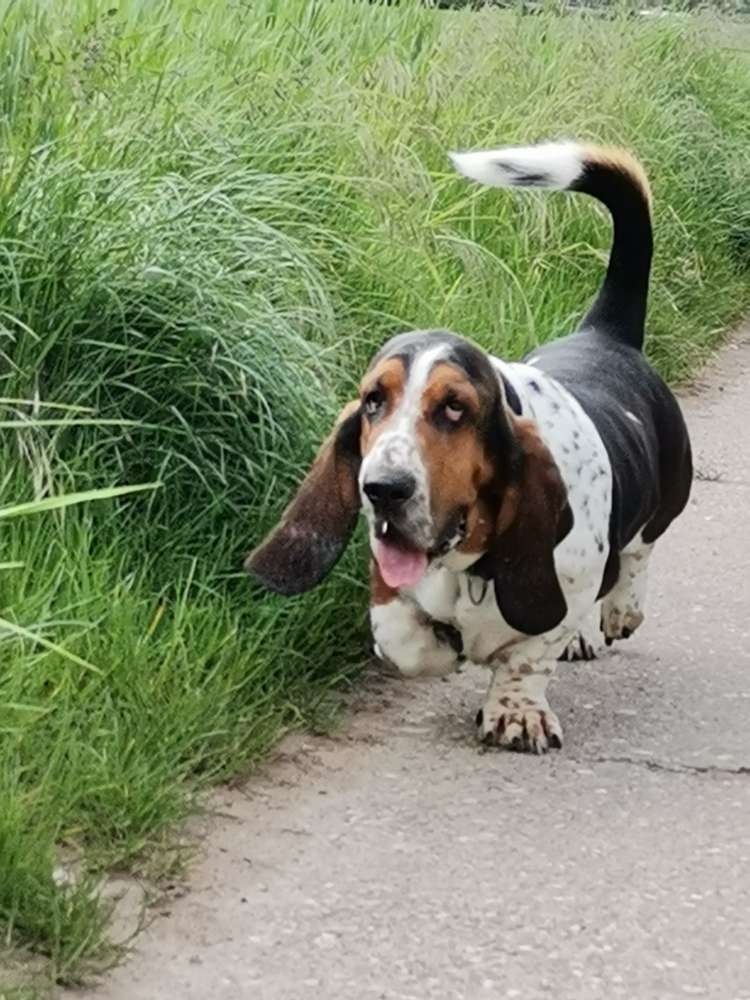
column 398, row 861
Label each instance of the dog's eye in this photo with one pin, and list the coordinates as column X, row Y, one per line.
column 374, row 402
column 453, row 411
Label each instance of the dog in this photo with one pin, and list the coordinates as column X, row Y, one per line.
column 505, row 502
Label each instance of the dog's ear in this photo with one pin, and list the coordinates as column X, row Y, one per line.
column 316, row 526
column 533, row 517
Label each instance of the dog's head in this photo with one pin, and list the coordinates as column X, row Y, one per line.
column 444, row 471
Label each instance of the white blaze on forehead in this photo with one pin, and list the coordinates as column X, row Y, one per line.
column 417, row 380
column 400, row 434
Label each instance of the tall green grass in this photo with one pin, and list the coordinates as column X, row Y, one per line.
column 210, row 214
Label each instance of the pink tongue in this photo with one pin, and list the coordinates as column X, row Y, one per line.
column 398, row 567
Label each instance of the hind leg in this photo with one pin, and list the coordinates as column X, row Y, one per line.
column 586, row 644
column 622, row 608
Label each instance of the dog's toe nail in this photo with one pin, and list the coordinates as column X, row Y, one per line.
column 480, row 717
column 555, row 742
column 626, row 633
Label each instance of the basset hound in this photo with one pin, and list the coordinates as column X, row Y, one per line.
column 505, row 501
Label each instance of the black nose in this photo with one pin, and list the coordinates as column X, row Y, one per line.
column 387, row 494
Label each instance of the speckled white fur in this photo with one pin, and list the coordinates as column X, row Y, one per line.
column 622, row 608
column 522, row 665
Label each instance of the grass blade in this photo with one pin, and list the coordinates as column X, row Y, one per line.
column 70, row 499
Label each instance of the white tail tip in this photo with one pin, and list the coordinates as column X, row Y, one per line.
column 549, row 165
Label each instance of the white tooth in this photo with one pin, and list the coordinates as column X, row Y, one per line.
column 385, row 526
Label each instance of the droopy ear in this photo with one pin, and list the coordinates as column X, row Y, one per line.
column 316, row 526
column 536, row 516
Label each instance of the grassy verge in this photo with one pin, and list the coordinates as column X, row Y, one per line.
column 209, row 216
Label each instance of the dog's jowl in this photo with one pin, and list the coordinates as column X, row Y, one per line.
column 507, row 503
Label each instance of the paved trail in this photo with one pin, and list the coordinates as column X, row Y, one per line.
column 398, row 861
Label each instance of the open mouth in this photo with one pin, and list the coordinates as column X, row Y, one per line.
column 401, row 564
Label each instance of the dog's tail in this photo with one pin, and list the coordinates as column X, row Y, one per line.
column 615, row 178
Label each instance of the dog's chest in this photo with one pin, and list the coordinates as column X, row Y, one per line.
column 468, row 603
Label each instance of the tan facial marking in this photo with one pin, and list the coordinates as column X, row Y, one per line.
column 453, row 452
column 389, row 376
column 480, row 527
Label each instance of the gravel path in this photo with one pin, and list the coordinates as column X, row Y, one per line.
column 399, row 861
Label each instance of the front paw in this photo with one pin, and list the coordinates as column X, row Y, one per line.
column 521, row 726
